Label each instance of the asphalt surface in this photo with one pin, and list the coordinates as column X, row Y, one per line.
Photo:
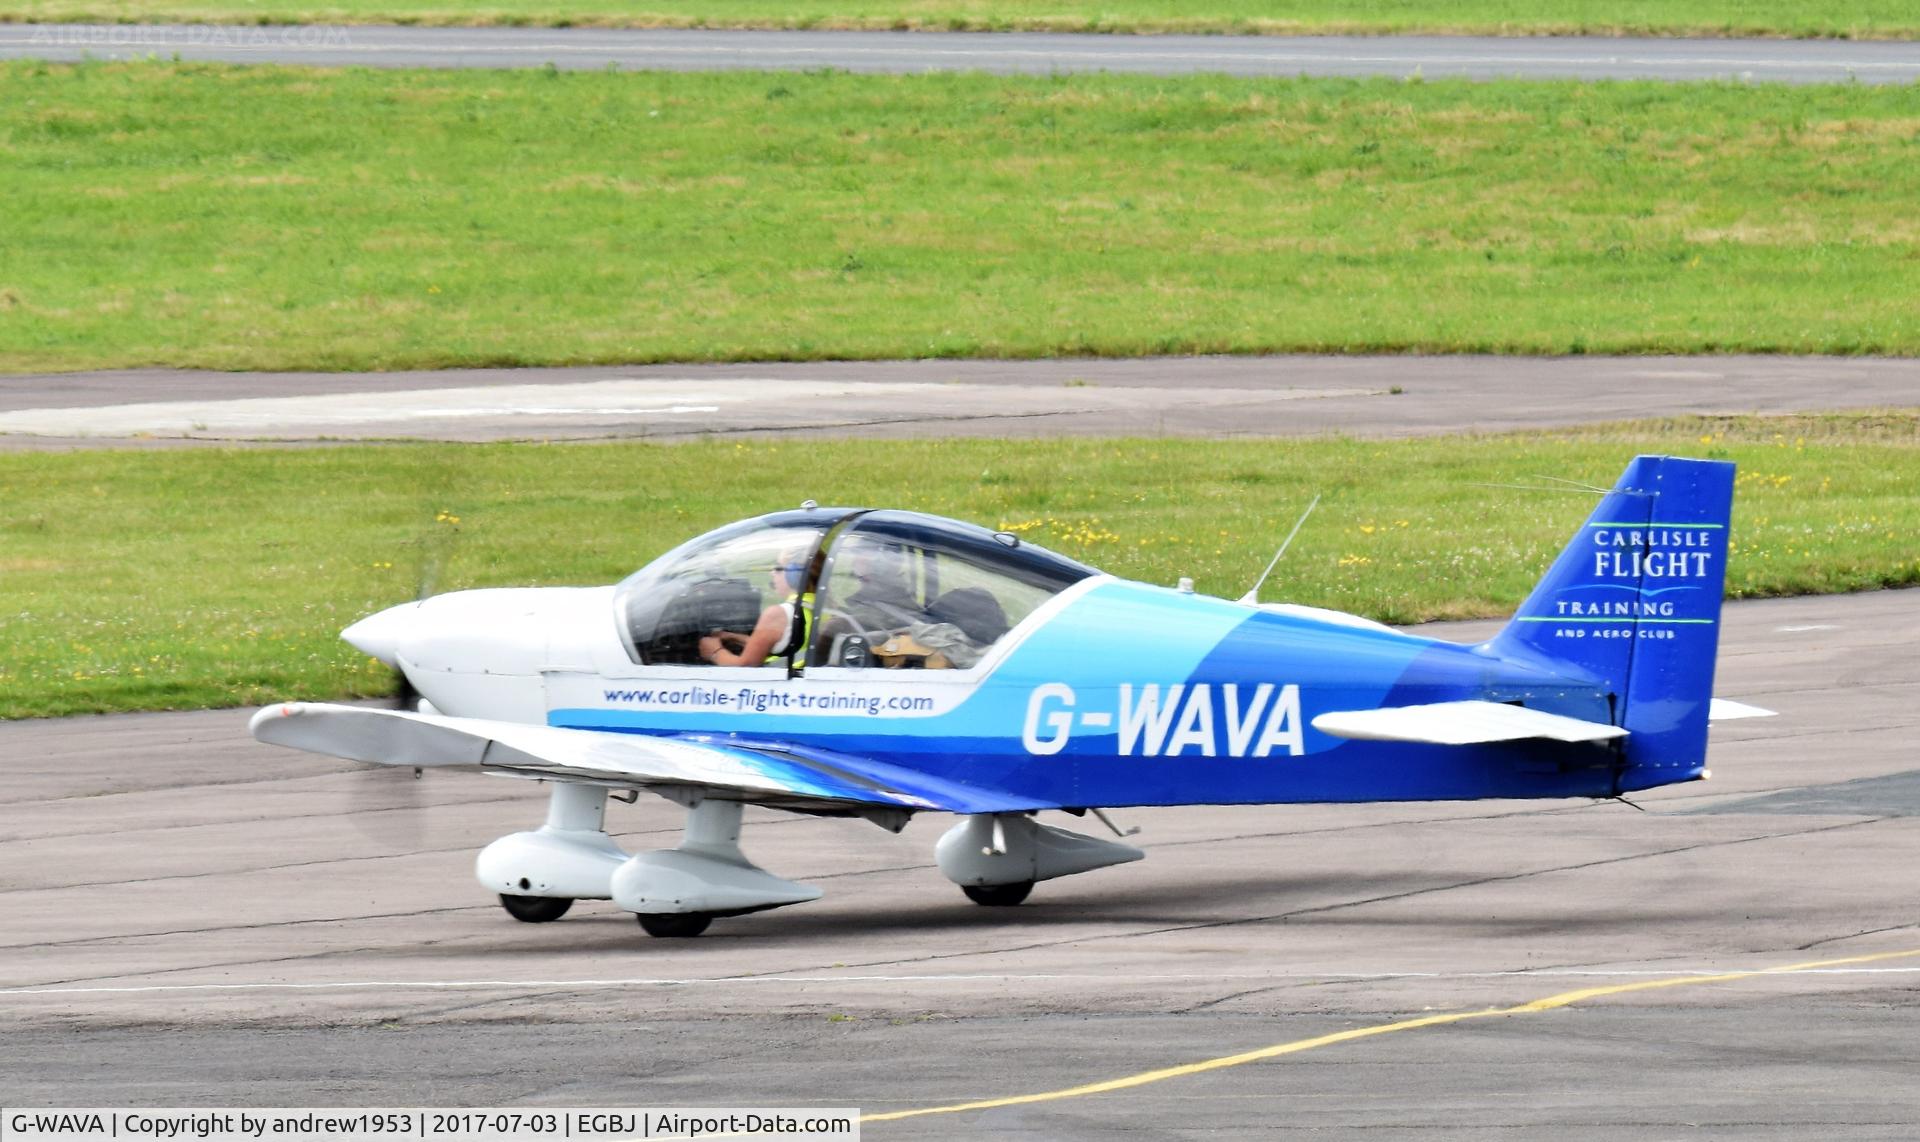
column 1213, row 396
column 193, row 917
column 1473, row 57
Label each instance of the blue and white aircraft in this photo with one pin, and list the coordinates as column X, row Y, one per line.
column 935, row 666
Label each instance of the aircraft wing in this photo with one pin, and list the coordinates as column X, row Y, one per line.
column 761, row 772
column 1460, row 723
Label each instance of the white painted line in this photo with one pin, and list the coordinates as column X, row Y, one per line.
column 616, row 398
column 1798, row 630
column 996, row 978
column 403, row 411
column 505, row 410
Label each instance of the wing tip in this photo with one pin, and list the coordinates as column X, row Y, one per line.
column 267, row 715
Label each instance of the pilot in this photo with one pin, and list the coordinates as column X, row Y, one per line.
column 779, row 627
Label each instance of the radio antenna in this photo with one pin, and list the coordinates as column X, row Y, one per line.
column 1252, row 597
column 1567, row 486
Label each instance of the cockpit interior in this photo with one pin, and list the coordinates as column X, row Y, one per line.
column 882, row 589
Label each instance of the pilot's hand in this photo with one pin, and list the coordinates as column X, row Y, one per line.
column 709, row 646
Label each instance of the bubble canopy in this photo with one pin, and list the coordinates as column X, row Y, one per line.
column 943, row 590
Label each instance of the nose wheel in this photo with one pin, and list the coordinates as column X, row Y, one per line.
column 674, row 925
column 535, row 909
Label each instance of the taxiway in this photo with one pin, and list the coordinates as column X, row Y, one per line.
column 193, row 917
column 1470, row 57
column 1206, row 396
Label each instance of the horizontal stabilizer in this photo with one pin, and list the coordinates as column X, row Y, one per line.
column 1460, row 723
column 1722, row 710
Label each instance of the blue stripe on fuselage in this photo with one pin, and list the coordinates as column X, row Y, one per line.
column 1137, row 695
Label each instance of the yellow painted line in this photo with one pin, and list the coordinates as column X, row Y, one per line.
column 1549, row 1003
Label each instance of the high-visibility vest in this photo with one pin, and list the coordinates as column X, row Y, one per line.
column 799, row 620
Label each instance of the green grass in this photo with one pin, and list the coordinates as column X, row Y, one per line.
column 142, row 580
column 1861, row 19
column 263, row 218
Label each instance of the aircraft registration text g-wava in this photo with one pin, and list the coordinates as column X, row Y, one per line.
column 1151, row 720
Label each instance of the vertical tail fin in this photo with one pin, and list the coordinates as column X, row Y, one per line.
column 1633, row 603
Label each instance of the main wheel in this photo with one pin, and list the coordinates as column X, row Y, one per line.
column 535, row 909
column 998, row 895
column 673, row 925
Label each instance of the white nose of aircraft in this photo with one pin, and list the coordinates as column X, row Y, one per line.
column 379, row 634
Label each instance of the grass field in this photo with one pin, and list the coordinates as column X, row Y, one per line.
column 1863, row 19
column 145, row 580
column 257, row 218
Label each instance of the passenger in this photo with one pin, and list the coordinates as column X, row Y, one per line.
column 779, row 626
column 881, row 598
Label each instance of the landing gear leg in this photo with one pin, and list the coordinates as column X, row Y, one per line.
column 539, row 874
column 677, row 892
column 995, row 858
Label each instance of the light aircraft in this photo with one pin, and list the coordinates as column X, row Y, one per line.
column 942, row 667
